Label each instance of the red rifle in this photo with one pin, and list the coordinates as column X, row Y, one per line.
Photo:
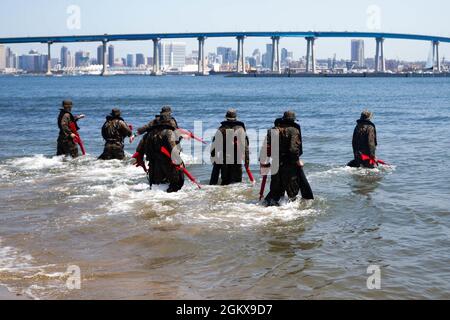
column 140, row 161
column 263, row 187
column 166, row 152
column 372, row 160
column 250, row 175
column 264, row 181
column 77, row 139
column 191, row 135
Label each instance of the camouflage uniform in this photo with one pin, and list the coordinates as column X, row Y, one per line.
column 290, row 177
column 146, row 128
column 65, row 144
column 114, row 132
column 364, row 141
column 161, row 169
column 228, row 163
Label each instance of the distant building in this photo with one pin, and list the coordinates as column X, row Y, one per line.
column 82, row 59
column 229, row 55
column 267, row 61
column 140, row 60
column 2, row 58
column 100, row 55
column 257, row 56
column 130, row 61
column 64, row 57
column 33, row 62
column 172, row 54
column 150, row 61
column 284, row 55
column 11, row 59
column 111, row 56
column 252, row 62
column 357, row 53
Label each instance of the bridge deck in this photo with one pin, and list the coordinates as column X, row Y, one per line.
column 150, row 36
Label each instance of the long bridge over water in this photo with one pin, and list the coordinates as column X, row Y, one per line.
column 309, row 36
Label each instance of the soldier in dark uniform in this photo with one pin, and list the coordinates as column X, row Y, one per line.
column 114, row 131
column 66, row 145
column 364, row 141
column 165, row 111
column 161, row 169
column 230, row 147
column 289, row 178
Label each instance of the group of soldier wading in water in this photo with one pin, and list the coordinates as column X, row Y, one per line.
column 161, row 139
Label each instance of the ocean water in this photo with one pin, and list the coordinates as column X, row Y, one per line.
column 131, row 242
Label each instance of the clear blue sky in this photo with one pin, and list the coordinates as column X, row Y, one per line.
column 49, row 17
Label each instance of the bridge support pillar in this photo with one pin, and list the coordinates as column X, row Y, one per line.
column 380, row 62
column 310, row 55
column 437, row 63
column 156, row 63
column 276, row 62
column 49, row 59
column 240, row 64
column 105, row 62
column 201, row 57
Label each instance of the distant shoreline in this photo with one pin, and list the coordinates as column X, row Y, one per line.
column 255, row 75
column 344, row 75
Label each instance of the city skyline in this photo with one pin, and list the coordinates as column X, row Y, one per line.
column 322, row 15
column 173, row 56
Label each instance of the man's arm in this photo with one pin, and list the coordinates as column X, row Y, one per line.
column 65, row 122
column 355, row 143
column 295, row 148
column 125, row 129
column 266, row 150
column 371, row 140
column 247, row 151
column 145, row 128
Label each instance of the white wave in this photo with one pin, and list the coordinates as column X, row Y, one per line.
column 348, row 171
column 16, row 265
column 12, row 260
column 210, row 206
column 37, row 162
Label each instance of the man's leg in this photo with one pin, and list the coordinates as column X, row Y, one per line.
column 305, row 187
column 290, row 181
column 276, row 190
column 215, row 175
column 176, row 180
column 236, row 173
column 225, row 174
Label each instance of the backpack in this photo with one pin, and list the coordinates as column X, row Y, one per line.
column 110, row 129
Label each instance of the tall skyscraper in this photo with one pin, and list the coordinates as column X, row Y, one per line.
column 130, row 61
column 10, row 59
column 140, row 60
column 172, row 54
column 357, row 48
column 100, row 55
column 257, row 56
column 64, row 57
column 111, row 56
column 267, row 63
column 284, row 55
column 2, row 58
